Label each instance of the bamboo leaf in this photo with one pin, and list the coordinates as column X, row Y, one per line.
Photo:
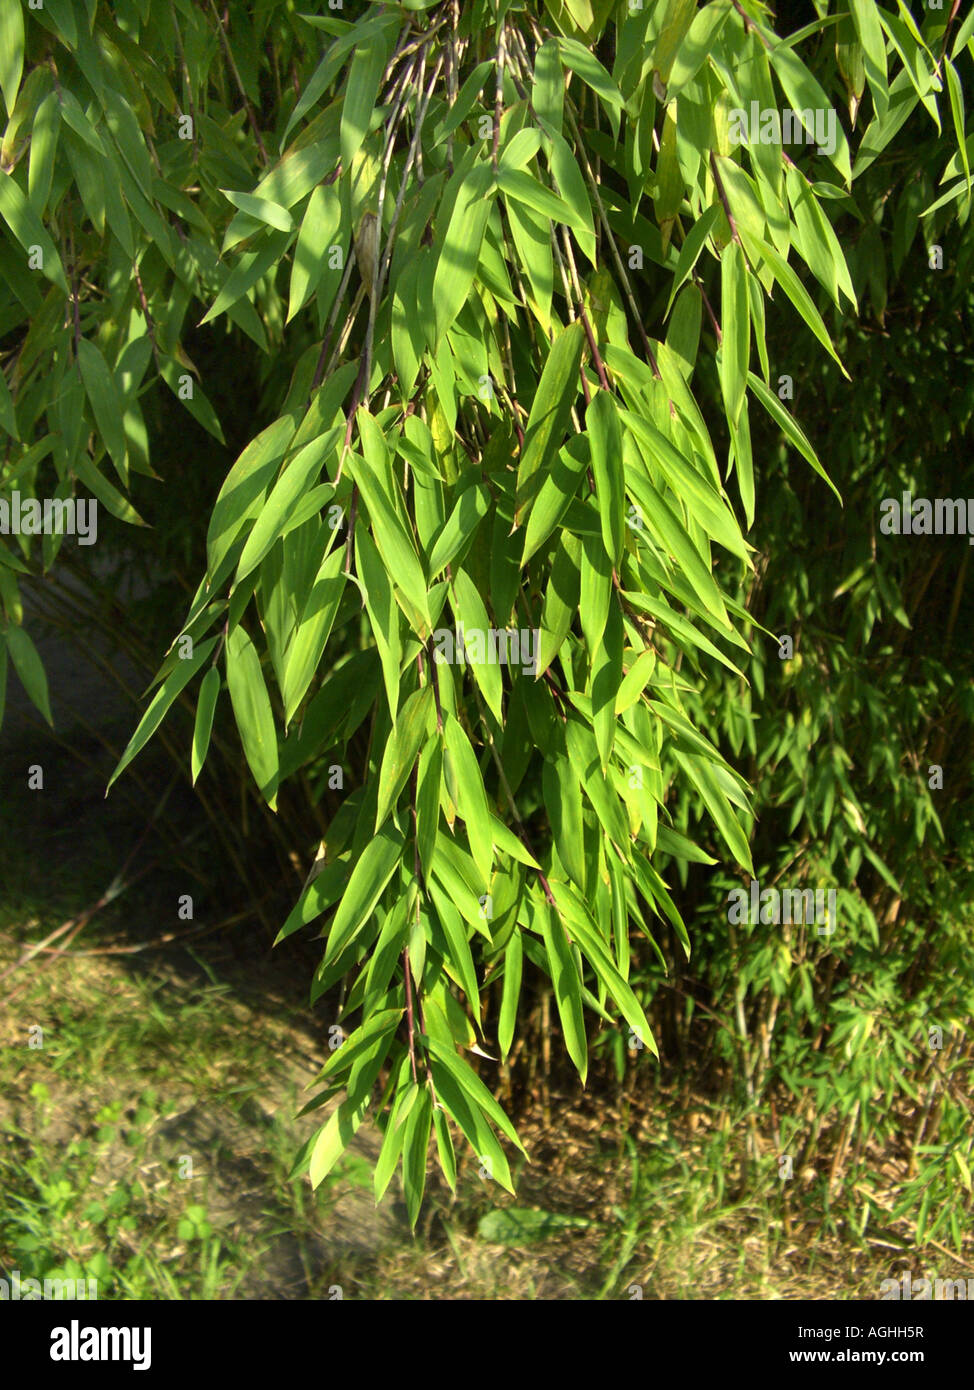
column 567, row 986
column 29, row 668
column 102, row 392
column 736, row 324
column 370, row 875
column 11, row 50
column 28, row 229
column 549, row 417
column 402, row 749
column 205, row 709
column 181, row 674
column 310, row 638
column 471, row 797
column 252, row 712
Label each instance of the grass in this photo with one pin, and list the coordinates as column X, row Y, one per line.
column 147, row 1144
column 147, row 1131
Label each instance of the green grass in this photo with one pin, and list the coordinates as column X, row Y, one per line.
column 148, row 1143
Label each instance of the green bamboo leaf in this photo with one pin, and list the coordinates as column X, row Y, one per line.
column 720, row 809
column 332, row 1141
column 550, row 415
column 361, row 91
column 319, row 895
column 563, row 803
column 373, row 581
column 680, row 627
column 736, row 325
column 395, row 544
column 516, row 183
column 508, row 843
column 459, row 254
column 464, row 1110
column 700, row 41
column 414, row 1153
column 402, row 749
column 285, row 495
column 252, row 712
column 428, row 787
column 471, row 796
column 8, row 414
column 521, row 148
column 395, row 1132
column 817, row 241
column 28, row 229
column 359, row 1043
column 584, row 754
column 261, row 209
column 595, row 593
column 586, row 66
column 444, row 1148
column 560, row 601
column 472, row 618
column 670, row 531
column 319, row 229
column 205, row 709
column 598, row 955
column 742, row 459
column 11, row 50
column 251, row 267
column 43, row 149
column 102, row 392
column 470, row 1083
column 677, row 20
column 469, row 510
column 573, row 190
column 173, row 374
column 606, row 680
column 694, row 243
column 311, row 635
column 106, row 493
column 605, row 436
column 795, row 291
column 244, row 489
column 956, row 93
column 870, row 33
column 548, row 87
column 460, row 960
column 178, row 678
column 567, row 986
column 29, row 668
column 790, row 427
column 370, row 875
column 532, row 240
column 670, row 187
column 805, row 93
column 510, row 993
column 655, row 890
column 555, row 494
column 703, row 502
